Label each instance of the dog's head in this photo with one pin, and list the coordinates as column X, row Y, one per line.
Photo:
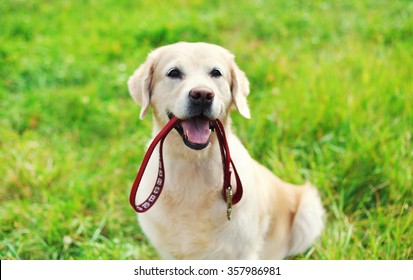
column 196, row 82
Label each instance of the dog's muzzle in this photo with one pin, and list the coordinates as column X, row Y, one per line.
column 197, row 127
column 200, row 101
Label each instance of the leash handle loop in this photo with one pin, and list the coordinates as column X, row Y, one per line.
column 157, row 189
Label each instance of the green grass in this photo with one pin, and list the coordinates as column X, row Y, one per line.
column 331, row 91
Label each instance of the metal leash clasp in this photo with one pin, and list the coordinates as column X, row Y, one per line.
column 229, row 196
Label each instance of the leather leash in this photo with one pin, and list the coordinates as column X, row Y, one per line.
column 229, row 197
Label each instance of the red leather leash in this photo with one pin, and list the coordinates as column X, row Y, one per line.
column 229, row 197
column 227, row 193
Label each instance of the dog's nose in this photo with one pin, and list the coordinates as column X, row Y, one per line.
column 201, row 95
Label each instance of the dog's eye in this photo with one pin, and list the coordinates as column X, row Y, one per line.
column 215, row 73
column 174, row 73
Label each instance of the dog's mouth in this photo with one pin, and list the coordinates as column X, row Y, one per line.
column 195, row 131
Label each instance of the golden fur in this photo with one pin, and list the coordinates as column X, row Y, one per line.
column 273, row 220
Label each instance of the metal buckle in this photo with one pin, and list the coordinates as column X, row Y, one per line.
column 229, row 202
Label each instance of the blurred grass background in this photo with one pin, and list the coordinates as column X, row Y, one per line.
column 331, row 99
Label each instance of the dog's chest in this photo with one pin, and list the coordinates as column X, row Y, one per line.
column 189, row 221
column 193, row 234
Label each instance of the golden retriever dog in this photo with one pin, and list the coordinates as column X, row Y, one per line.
column 197, row 83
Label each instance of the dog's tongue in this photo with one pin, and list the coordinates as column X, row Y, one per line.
column 196, row 130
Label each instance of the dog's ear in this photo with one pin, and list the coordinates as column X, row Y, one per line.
column 140, row 84
column 240, row 88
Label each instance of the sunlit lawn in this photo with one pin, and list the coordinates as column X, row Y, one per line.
column 331, row 100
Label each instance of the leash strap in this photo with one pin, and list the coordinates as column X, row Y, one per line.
column 229, row 197
column 227, row 163
column 157, row 189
